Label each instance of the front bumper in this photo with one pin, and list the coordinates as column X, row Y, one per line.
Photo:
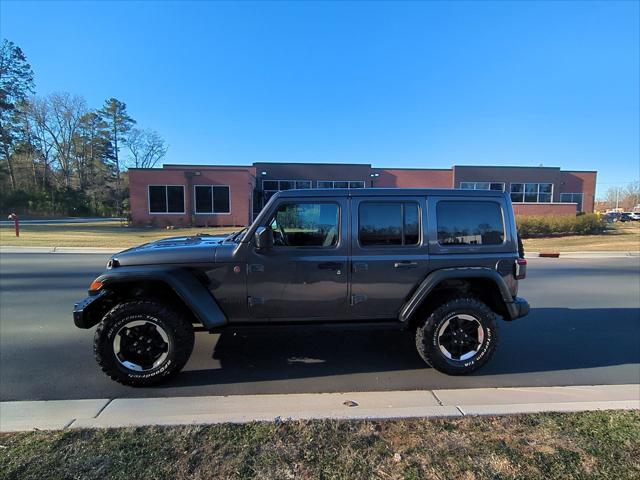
column 82, row 310
column 517, row 309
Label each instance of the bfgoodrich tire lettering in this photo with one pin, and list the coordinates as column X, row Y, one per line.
column 429, row 336
column 177, row 334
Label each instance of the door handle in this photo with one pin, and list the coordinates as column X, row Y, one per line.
column 330, row 266
column 405, row 264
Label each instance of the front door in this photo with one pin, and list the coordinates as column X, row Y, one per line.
column 305, row 275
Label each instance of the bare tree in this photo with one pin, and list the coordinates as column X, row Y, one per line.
column 38, row 114
column 65, row 112
column 146, row 147
column 623, row 197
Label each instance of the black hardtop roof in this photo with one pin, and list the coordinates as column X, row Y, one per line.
column 387, row 192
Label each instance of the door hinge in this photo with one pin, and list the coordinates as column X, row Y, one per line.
column 358, row 298
column 256, row 267
column 253, row 301
column 360, row 267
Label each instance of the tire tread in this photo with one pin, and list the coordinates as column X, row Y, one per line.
column 423, row 334
column 182, row 329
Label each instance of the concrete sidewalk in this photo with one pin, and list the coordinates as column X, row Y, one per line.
column 121, row 412
column 109, row 251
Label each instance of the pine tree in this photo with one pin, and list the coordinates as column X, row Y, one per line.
column 16, row 84
column 114, row 114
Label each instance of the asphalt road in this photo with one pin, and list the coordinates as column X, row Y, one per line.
column 584, row 329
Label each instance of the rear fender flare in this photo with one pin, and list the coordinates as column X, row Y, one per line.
column 436, row 277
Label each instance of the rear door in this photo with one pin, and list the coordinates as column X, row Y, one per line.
column 389, row 253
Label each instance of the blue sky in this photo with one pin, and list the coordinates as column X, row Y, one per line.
column 393, row 84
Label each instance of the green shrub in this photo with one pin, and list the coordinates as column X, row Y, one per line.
column 535, row 226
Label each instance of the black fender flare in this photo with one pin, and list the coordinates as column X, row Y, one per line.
column 437, row 276
column 192, row 292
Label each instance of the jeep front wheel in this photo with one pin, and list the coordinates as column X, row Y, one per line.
column 458, row 337
column 141, row 343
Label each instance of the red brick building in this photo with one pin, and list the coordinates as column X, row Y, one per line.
column 231, row 195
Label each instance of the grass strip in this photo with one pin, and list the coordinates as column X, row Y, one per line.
column 602, row 445
column 620, row 237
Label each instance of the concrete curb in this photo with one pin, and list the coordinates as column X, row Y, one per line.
column 123, row 412
column 108, row 251
column 584, row 255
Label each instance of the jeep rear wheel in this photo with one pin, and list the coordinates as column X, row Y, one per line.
column 458, row 337
column 141, row 343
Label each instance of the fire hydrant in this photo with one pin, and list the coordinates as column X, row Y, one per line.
column 16, row 222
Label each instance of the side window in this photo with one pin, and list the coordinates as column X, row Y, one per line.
column 469, row 223
column 388, row 224
column 306, row 225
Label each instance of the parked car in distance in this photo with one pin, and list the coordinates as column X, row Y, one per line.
column 611, row 217
column 625, row 217
column 635, row 216
column 442, row 264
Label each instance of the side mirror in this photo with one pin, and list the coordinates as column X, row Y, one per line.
column 264, row 238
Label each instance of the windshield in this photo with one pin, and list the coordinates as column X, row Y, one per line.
column 237, row 236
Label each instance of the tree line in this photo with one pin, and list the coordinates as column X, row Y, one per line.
column 625, row 198
column 58, row 156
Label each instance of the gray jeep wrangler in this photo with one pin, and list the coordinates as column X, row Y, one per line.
column 443, row 264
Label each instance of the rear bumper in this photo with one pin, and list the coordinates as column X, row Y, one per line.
column 517, row 309
column 81, row 310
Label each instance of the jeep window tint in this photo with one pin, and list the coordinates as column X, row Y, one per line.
column 306, row 225
column 166, row 199
column 469, row 223
column 388, row 224
column 212, row 198
column 411, row 224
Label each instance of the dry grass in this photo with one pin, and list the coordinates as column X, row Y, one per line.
column 598, row 445
column 620, row 237
column 97, row 234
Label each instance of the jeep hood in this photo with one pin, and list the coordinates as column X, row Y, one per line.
column 174, row 250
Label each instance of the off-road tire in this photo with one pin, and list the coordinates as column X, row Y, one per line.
column 427, row 336
column 177, row 328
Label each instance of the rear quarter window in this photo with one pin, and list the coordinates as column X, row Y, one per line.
column 469, row 223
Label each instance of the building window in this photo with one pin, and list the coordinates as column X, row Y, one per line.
column 341, row 184
column 531, row 192
column 306, row 225
column 212, row 198
column 166, row 198
column 469, row 223
column 572, row 198
column 388, row 224
column 497, row 186
column 270, row 187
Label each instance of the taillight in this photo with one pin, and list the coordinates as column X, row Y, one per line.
column 521, row 268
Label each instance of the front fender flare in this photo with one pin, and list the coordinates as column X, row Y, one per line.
column 437, row 276
column 193, row 293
